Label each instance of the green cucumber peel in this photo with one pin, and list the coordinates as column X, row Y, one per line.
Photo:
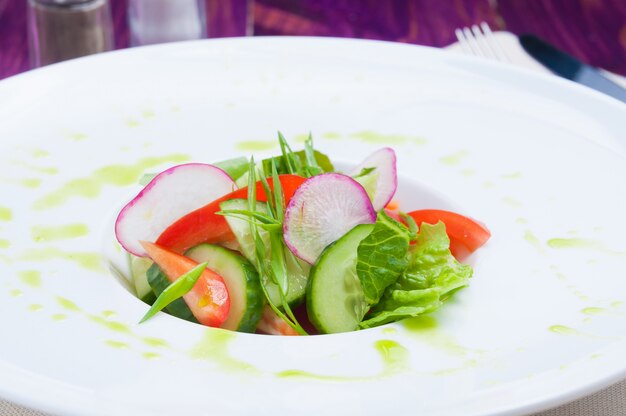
column 175, row 290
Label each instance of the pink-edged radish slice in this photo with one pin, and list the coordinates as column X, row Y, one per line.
column 382, row 182
column 323, row 209
column 172, row 194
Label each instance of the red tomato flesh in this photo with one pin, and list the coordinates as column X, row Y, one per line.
column 204, row 226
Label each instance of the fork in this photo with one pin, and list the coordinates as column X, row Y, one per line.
column 478, row 40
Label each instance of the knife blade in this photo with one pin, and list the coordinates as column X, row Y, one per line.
column 569, row 67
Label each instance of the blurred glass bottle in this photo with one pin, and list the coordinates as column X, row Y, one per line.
column 159, row 21
column 64, row 29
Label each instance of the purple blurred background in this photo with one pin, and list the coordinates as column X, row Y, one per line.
column 592, row 30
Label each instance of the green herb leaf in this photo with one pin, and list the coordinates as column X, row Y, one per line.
column 363, row 172
column 382, row 257
column 432, row 276
column 279, row 197
column 175, row 290
column 239, row 213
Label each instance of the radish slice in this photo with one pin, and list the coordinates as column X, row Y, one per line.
column 323, row 209
column 380, row 184
column 172, row 194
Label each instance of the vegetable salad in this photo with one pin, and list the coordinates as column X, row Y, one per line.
column 290, row 246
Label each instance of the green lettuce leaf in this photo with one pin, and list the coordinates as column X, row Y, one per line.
column 432, row 276
column 382, row 257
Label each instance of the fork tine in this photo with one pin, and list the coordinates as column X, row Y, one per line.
column 471, row 41
column 483, row 43
column 463, row 41
column 493, row 43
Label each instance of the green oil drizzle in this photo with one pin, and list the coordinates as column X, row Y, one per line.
column 595, row 356
column 394, row 356
column 151, row 355
column 566, row 330
column 521, row 220
column 582, row 243
column 114, row 175
column 331, row 136
column 148, row 114
column 256, row 145
column 39, row 153
column 30, row 183
column 214, row 347
column 533, row 241
column 514, row 175
column 455, row 158
column 595, row 311
column 77, row 136
column 111, row 325
column 425, row 328
column 300, row 138
column 313, row 376
column 42, row 233
column 155, row 342
column 35, row 307
column 5, row 214
column 616, row 304
column 48, row 170
column 132, row 123
column 31, row 278
column 67, row 304
column 488, row 185
column 389, row 330
column 468, row 172
column 116, row 344
column 108, row 314
column 512, row 202
column 16, row 293
column 90, row 261
column 388, row 139
column 4, row 243
column 563, row 330
column 59, row 317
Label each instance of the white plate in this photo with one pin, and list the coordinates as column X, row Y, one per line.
column 541, row 161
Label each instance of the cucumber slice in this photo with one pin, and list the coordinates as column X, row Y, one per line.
column 242, row 281
column 138, row 269
column 335, row 300
column 159, row 282
column 297, row 270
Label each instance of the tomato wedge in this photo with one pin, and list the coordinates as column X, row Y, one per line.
column 204, row 226
column 466, row 235
column 209, row 300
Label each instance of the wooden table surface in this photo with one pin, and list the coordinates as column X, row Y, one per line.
column 592, row 30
